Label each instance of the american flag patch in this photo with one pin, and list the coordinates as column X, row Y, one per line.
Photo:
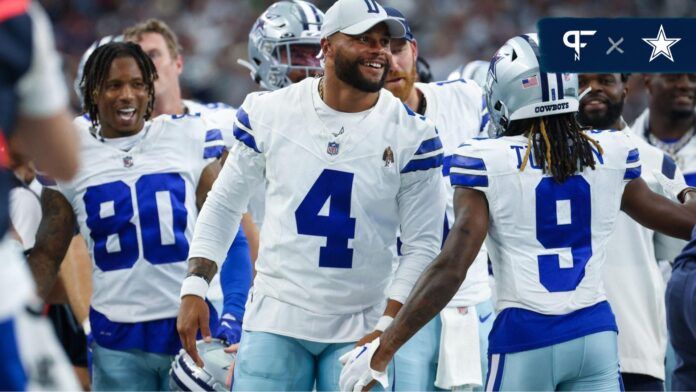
column 529, row 82
column 566, row 77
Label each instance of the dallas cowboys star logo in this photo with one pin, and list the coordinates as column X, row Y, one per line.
column 491, row 68
column 661, row 45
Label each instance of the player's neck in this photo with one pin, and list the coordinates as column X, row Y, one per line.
column 168, row 104
column 108, row 132
column 343, row 97
column 414, row 99
column 668, row 127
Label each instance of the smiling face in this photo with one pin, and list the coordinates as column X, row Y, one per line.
column 122, row 99
column 402, row 73
column 362, row 61
column 601, row 108
column 672, row 94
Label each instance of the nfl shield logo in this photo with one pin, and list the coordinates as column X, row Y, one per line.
column 332, row 148
column 128, row 161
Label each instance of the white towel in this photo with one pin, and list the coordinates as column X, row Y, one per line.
column 459, row 363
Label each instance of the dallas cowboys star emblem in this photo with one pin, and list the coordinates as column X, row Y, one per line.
column 661, row 45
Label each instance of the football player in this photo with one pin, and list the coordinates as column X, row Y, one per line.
column 346, row 165
column 669, row 120
column 639, row 307
column 39, row 125
column 230, row 289
column 547, row 193
column 430, row 358
column 134, row 200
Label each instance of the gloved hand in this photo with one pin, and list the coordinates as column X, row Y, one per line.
column 229, row 329
column 357, row 373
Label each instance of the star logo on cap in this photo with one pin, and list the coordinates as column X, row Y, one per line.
column 661, row 45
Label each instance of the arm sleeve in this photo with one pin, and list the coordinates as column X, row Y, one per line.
column 666, row 247
column 421, row 203
column 222, row 211
column 42, row 90
column 235, row 277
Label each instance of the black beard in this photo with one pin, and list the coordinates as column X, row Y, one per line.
column 613, row 113
column 349, row 73
column 681, row 114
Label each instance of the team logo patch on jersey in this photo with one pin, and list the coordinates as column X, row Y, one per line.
column 388, row 157
column 332, row 148
column 128, row 161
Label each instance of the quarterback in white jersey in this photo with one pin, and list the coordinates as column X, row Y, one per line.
column 451, row 351
column 135, row 201
column 548, row 211
column 345, row 167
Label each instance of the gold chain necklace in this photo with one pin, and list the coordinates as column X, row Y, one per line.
column 321, row 88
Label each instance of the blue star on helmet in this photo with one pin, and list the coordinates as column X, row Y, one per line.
column 491, row 68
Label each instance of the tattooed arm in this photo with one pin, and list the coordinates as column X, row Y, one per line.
column 52, row 240
column 440, row 281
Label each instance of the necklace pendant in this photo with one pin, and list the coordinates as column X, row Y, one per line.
column 128, row 161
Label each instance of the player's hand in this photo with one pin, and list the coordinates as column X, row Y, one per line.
column 193, row 316
column 368, row 338
column 230, row 372
column 670, row 187
column 357, row 375
column 229, row 329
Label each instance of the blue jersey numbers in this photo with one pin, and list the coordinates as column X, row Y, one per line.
column 334, row 187
column 563, row 220
column 110, row 211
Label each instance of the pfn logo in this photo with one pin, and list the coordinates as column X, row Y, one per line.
column 576, row 43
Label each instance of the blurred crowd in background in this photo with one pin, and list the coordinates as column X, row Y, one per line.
column 213, row 33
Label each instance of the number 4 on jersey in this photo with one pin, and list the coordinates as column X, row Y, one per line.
column 338, row 227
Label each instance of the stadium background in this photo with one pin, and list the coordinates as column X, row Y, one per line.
column 213, row 33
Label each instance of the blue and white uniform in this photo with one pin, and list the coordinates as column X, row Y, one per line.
column 134, row 200
column 429, row 359
column 339, row 185
column 547, row 242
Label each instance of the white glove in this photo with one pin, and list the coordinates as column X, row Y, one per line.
column 356, row 372
column 670, row 187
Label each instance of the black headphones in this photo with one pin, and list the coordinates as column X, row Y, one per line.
column 423, row 69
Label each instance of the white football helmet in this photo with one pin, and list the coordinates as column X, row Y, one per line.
column 85, row 56
column 285, row 27
column 517, row 89
column 185, row 375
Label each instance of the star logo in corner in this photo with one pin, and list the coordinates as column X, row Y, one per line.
column 494, row 62
column 661, row 45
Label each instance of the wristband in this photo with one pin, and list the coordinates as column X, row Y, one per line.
column 194, row 285
column 383, row 323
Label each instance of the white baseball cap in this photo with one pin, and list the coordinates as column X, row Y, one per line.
column 355, row 17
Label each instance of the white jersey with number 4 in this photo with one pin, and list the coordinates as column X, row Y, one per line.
column 335, row 197
column 136, row 209
column 456, row 109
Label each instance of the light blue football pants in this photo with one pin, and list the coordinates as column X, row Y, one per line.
column 271, row 362
column 588, row 363
column 129, row 370
column 415, row 364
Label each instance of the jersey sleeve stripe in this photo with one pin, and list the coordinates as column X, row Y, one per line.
column 669, row 168
column 429, row 146
column 245, row 137
column 468, row 180
column 446, row 164
column 470, row 163
column 213, row 152
column 424, row 164
column 243, row 118
column 632, row 173
column 633, row 156
column 212, row 135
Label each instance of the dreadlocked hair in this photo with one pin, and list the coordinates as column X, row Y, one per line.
column 558, row 143
column 97, row 71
